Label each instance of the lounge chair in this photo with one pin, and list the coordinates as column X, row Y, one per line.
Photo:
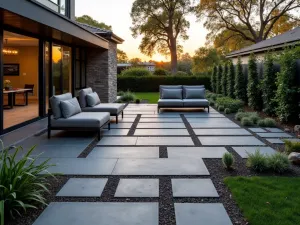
column 178, row 96
column 90, row 102
column 66, row 114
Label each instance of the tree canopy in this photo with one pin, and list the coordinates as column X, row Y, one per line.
column 162, row 23
column 204, row 59
column 122, row 56
column 90, row 21
column 244, row 22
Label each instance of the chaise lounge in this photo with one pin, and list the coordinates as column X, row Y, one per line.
column 182, row 96
column 66, row 114
column 90, row 102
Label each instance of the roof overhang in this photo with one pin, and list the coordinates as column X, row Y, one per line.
column 112, row 37
column 36, row 19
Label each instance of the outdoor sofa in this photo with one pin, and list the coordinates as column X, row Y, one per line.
column 182, row 96
column 89, row 104
column 65, row 114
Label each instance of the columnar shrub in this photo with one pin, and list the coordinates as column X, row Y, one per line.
column 160, row 72
column 213, row 79
column 239, row 82
column 269, row 86
column 224, row 80
column 230, row 80
column 253, row 89
column 286, row 94
column 219, row 79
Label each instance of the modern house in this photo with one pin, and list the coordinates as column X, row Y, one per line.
column 275, row 44
column 44, row 51
column 147, row 65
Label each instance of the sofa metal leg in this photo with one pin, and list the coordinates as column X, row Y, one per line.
column 49, row 133
column 99, row 134
column 117, row 119
column 208, row 109
column 109, row 126
column 122, row 114
column 158, row 109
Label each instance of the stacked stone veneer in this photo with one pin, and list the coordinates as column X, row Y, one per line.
column 101, row 72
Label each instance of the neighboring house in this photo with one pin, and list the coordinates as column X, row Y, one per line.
column 275, row 44
column 41, row 44
column 147, row 65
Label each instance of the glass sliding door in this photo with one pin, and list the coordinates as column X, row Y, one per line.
column 61, row 69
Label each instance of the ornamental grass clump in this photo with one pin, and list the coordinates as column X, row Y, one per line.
column 127, row 97
column 279, row 162
column 23, row 182
column 291, row 146
column 228, row 160
column 246, row 121
column 269, row 122
column 221, row 108
column 227, row 111
column 257, row 161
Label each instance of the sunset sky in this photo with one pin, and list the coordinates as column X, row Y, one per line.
column 117, row 14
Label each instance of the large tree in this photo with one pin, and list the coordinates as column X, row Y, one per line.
column 122, row 56
column 251, row 20
column 161, row 23
column 90, row 21
column 204, row 59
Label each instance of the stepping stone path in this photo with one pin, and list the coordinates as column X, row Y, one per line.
column 149, row 160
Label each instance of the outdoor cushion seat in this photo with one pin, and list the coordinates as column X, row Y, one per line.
column 83, row 119
column 195, row 103
column 170, row 102
column 113, row 108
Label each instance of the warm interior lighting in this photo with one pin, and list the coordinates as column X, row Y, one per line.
column 7, row 51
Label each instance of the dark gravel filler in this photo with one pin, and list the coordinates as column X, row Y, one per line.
column 191, row 131
column 134, row 125
column 163, row 152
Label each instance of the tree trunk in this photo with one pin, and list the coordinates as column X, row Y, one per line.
column 173, row 50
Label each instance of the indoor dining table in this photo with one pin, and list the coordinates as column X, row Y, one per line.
column 12, row 96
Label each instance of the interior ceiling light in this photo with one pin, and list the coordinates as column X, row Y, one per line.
column 9, row 51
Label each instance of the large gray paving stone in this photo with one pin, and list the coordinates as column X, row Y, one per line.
column 160, row 167
column 275, row 140
column 193, row 188
column 205, row 115
column 160, row 120
column 274, row 135
column 201, row 214
column 117, row 141
column 162, row 115
column 115, row 132
column 131, row 188
column 104, row 213
column 242, row 151
column 221, row 132
column 140, row 112
column 160, row 125
column 121, row 125
column 124, row 152
column 214, row 125
column 81, row 166
column 257, row 130
column 196, row 152
column 275, row 130
column 161, row 132
column 164, row 141
column 230, row 140
column 209, row 120
column 83, row 187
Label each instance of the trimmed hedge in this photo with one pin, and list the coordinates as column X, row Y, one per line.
column 151, row 83
column 136, row 71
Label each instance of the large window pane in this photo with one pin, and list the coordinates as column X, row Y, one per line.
column 47, row 75
column 67, row 69
column 57, row 68
column 62, row 7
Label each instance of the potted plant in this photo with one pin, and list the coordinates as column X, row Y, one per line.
column 7, row 85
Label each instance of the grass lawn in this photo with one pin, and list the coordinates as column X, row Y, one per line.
column 267, row 200
column 152, row 97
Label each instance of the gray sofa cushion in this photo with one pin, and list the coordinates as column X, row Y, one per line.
column 83, row 119
column 113, row 109
column 55, row 104
column 168, row 87
column 195, row 103
column 195, row 93
column 70, row 107
column 171, row 93
column 170, row 103
column 82, row 96
column 92, row 99
column 186, row 87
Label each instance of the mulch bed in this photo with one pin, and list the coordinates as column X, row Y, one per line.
column 166, row 200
